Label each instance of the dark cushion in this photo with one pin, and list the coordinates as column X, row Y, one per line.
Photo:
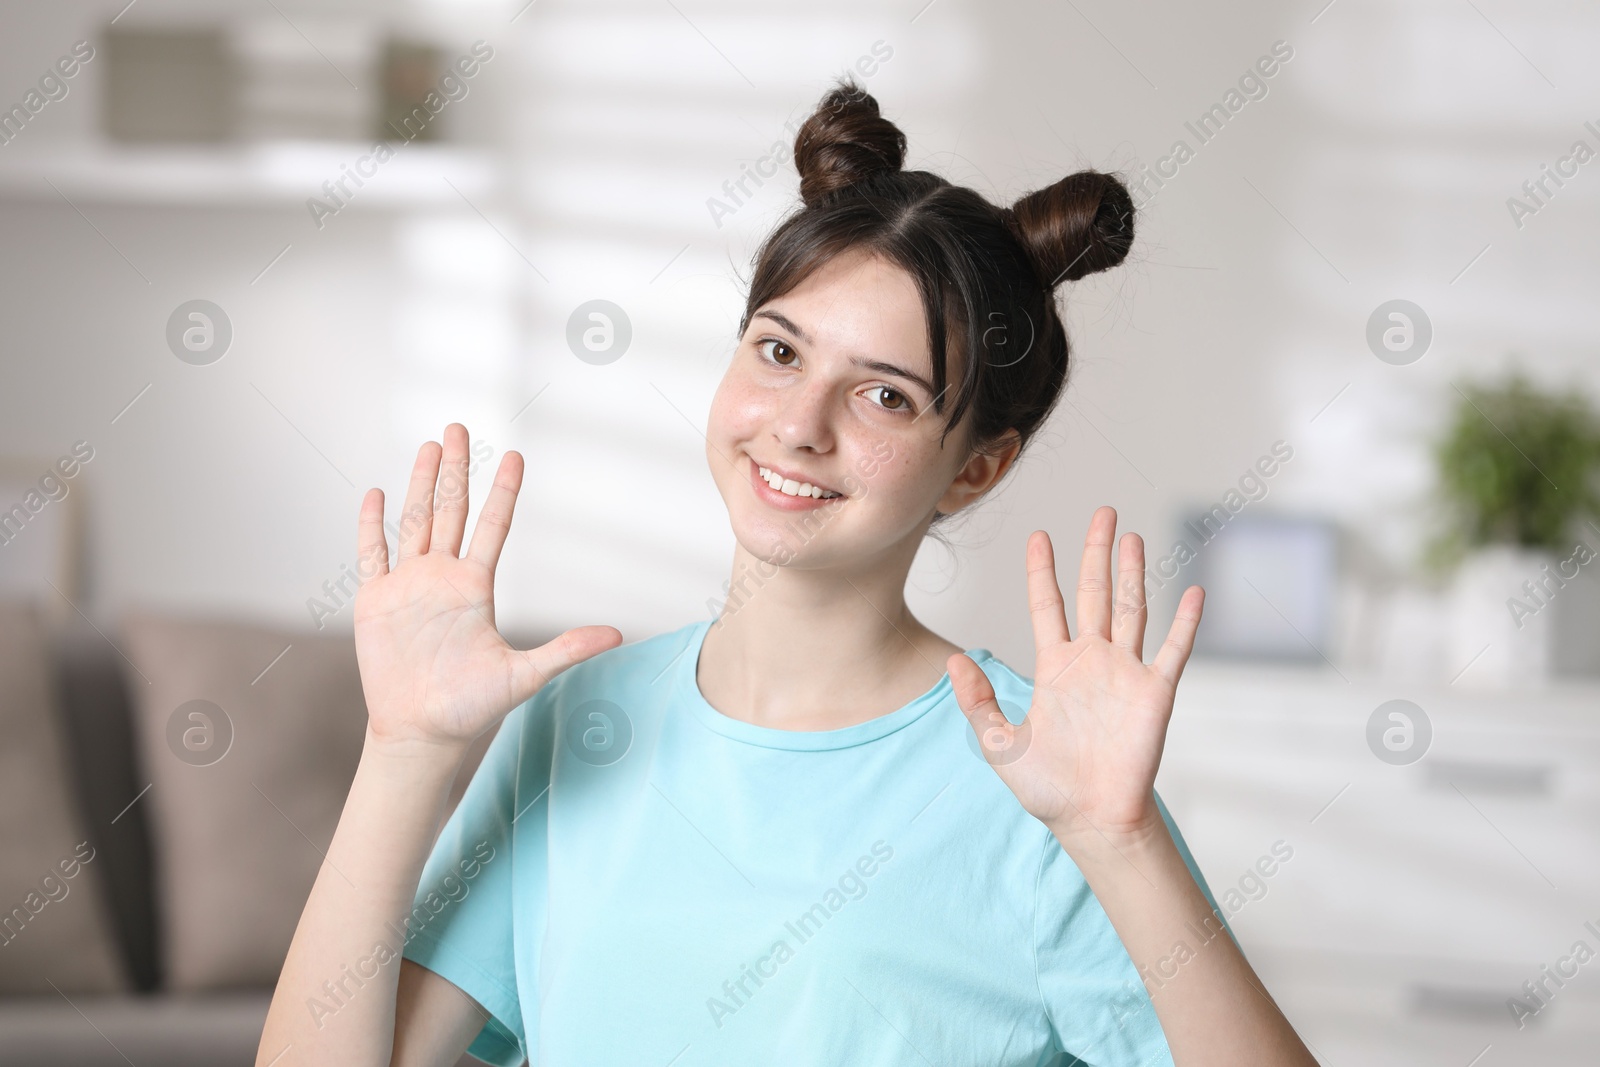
column 54, row 922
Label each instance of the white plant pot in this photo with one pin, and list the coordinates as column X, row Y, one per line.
column 1502, row 622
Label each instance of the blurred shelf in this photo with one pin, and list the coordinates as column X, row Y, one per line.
column 1386, row 1011
column 1244, row 688
column 249, row 174
column 1476, row 856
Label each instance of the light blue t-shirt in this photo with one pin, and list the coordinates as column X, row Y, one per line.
column 634, row 878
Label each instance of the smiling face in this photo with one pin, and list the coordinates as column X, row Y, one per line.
column 822, row 437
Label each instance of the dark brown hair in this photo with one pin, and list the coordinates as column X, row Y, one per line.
column 987, row 274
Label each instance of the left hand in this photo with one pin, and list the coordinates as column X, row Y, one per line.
column 1084, row 759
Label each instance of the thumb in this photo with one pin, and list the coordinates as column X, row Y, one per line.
column 996, row 734
column 567, row 650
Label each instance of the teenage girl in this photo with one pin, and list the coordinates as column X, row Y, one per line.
column 810, row 831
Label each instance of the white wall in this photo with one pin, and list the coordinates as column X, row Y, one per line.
column 1377, row 167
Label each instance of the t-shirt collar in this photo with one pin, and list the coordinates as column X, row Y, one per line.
column 685, row 679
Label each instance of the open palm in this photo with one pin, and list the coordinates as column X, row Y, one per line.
column 433, row 666
column 1084, row 759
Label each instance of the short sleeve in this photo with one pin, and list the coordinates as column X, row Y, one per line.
column 1093, row 994
column 461, row 922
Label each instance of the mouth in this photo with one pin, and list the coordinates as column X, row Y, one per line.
column 788, row 488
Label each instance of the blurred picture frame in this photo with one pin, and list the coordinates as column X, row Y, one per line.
column 1271, row 584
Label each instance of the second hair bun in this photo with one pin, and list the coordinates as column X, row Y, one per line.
column 1080, row 225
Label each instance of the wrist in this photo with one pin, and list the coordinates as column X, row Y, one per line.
column 415, row 757
column 1087, row 842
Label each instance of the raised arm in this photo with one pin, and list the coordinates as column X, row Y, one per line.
column 436, row 674
column 1094, row 736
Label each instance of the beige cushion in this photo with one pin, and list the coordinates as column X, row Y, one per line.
column 238, row 841
column 54, row 924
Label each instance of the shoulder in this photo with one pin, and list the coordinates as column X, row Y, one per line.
column 630, row 685
column 632, row 663
column 1010, row 685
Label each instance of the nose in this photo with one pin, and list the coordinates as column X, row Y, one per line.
column 805, row 418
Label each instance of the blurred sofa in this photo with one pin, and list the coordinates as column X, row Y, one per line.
column 167, row 789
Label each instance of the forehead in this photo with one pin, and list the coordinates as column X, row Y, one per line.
column 857, row 302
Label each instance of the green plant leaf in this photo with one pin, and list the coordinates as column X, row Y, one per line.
column 1516, row 466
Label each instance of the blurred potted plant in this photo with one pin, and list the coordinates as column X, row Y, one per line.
column 1517, row 476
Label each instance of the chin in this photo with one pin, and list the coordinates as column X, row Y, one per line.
column 804, row 538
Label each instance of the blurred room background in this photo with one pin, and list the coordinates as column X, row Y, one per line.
column 253, row 252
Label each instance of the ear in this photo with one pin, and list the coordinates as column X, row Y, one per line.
column 982, row 471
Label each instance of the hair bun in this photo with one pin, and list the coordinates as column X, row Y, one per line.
column 1080, row 225
column 845, row 141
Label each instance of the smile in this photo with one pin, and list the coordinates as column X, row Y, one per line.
column 791, row 487
column 783, row 490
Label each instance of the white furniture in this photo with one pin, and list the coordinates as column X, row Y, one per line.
column 1419, row 897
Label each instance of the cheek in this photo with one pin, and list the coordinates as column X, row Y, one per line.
column 906, row 475
column 738, row 408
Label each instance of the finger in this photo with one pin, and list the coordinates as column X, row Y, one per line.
column 1128, row 612
column 416, row 518
column 975, row 696
column 1175, row 649
column 494, row 520
column 1045, row 602
column 571, row 648
column 372, row 548
column 450, row 497
column 1094, row 575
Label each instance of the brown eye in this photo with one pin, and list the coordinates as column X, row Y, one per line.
column 778, row 352
column 891, row 400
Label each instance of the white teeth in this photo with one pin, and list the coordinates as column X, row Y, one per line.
column 790, row 487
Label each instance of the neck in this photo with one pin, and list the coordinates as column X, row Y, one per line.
column 798, row 649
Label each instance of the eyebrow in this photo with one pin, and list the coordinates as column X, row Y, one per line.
column 868, row 364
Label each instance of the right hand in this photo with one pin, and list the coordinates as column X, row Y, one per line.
column 433, row 667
